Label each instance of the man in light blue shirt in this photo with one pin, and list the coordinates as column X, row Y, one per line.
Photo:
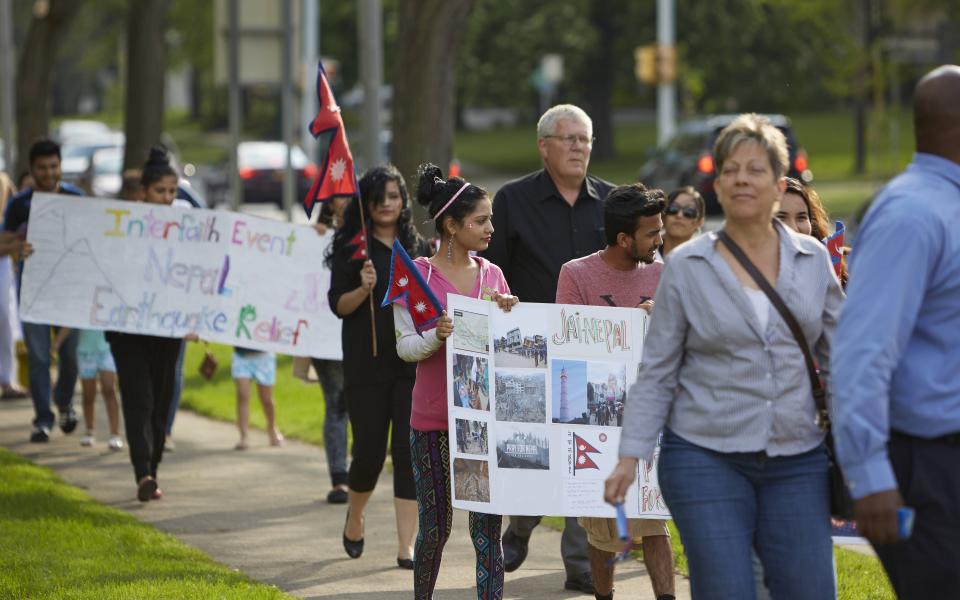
column 896, row 358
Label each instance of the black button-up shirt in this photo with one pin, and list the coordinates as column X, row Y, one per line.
column 536, row 231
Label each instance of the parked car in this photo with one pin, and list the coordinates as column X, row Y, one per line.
column 687, row 158
column 69, row 129
column 76, row 153
column 104, row 177
column 261, row 166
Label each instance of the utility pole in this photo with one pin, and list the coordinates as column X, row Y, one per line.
column 666, row 89
column 309, row 57
column 233, row 101
column 7, row 78
column 287, row 108
column 371, row 74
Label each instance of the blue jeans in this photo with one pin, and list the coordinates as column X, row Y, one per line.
column 38, row 339
column 726, row 505
column 177, row 389
column 330, row 373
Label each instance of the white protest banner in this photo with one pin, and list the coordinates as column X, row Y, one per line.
column 167, row 271
column 535, row 399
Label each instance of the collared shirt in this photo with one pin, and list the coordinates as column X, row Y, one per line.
column 897, row 360
column 536, row 231
column 712, row 374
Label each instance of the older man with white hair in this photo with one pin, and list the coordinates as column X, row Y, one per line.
column 543, row 220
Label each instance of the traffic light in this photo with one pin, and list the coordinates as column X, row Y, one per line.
column 666, row 64
column 655, row 63
column 645, row 63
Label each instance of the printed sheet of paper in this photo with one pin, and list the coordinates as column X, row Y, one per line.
column 158, row 270
column 535, row 400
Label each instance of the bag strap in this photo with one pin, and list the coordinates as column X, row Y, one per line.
column 816, row 384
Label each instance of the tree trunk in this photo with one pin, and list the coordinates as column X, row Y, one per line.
column 146, row 74
column 47, row 31
column 599, row 79
column 429, row 32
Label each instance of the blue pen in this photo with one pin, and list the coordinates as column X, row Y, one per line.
column 622, row 531
column 905, row 516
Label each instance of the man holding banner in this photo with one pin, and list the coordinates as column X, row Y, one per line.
column 623, row 274
column 45, row 171
column 543, row 220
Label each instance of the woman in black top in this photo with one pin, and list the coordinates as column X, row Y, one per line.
column 146, row 364
column 377, row 390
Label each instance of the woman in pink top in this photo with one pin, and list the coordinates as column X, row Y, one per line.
column 462, row 213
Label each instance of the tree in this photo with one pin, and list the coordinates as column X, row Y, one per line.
column 48, row 26
column 146, row 72
column 429, row 32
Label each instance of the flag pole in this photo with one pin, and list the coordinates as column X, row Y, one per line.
column 373, row 311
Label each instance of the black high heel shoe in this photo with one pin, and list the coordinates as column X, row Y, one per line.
column 405, row 563
column 353, row 548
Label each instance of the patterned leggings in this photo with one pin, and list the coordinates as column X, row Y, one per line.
column 430, row 452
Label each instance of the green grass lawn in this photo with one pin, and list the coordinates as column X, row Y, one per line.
column 299, row 405
column 859, row 577
column 55, row 542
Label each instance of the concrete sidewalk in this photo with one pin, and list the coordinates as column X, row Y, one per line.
column 262, row 512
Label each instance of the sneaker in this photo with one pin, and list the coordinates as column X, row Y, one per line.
column 87, row 439
column 68, row 420
column 115, row 443
column 40, row 434
column 168, row 445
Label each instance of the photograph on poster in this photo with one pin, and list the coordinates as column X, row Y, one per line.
column 569, row 392
column 471, row 382
column 523, row 447
column 471, row 331
column 521, row 396
column 471, row 480
column 520, row 340
column 606, row 392
column 472, row 437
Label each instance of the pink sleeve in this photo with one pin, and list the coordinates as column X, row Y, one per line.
column 499, row 281
column 567, row 291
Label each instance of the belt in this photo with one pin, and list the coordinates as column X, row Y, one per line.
column 950, row 439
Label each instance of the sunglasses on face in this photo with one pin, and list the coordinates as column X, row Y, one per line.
column 687, row 211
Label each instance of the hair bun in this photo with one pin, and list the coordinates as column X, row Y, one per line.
column 430, row 184
column 158, row 156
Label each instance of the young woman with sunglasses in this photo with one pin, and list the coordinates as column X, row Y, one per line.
column 682, row 218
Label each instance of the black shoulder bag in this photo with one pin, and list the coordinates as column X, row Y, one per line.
column 841, row 505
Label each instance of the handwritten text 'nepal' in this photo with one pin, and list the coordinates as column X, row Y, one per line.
column 187, row 228
column 591, row 330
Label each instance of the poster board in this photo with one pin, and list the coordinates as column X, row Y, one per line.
column 168, row 271
column 534, row 400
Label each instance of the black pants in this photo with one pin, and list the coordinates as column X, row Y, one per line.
column 376, row 412
column 146, row 372
column 927, row 565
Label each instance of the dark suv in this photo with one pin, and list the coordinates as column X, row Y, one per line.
column 687, row 158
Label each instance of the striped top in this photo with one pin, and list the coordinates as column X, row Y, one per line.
column 712, row 374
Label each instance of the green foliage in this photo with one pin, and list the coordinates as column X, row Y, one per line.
column 55, row 542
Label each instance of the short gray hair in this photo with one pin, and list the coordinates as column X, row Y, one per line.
column 753, row 127
column 547, row 125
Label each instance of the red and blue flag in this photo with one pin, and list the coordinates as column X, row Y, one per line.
column 834, row 244
column 582, row 458
column 406, row 283
column 336, row 176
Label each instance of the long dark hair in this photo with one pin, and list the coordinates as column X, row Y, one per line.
column 373, row 187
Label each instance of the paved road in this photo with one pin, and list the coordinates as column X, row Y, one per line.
column 259, row 512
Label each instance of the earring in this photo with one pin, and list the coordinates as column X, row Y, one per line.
column 450, row 249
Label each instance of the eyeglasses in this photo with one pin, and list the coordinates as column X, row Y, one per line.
column 569, row 140
column 687, row 211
